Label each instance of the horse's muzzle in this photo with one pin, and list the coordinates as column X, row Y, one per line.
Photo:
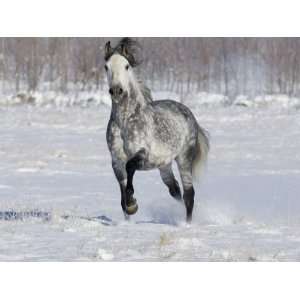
column 116, row 91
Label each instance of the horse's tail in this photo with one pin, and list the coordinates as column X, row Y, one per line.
column 202, row 149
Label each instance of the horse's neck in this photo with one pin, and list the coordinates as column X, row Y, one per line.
column 134, row 105
column 136, row 94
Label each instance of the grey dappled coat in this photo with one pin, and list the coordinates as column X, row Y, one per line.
column 144, row 134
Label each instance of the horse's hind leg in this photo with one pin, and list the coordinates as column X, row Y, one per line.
column 170, row 181
column 185, row 169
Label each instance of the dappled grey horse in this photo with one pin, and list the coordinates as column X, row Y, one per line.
column 143, row 134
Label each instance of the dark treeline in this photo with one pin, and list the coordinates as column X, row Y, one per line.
column 231, row 66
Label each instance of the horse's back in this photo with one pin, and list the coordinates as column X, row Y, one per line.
column 173, row 105
column 175, row 125
column 178, row 112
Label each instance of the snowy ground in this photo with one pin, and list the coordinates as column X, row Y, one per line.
column 59, row 200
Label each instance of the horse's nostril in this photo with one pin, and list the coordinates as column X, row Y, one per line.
column 116, row 91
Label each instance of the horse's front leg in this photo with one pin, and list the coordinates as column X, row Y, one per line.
column 121, row 175
column 133, row 164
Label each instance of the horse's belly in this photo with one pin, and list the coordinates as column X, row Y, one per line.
column 157, row 155
column 161, row 148
column 161, row 155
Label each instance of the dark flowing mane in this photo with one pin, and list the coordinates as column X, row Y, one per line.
column 146, row 92
column 127, row 47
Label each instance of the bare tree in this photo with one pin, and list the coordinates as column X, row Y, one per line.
column 231, row 66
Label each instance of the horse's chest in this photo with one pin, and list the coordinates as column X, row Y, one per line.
column 134, row 137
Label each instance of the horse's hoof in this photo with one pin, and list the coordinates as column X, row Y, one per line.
column 132, row 209
column 131, row 206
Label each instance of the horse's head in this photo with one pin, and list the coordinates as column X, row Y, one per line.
column 119, row 63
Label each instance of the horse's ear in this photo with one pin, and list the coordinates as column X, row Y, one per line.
column 108, row 50
column 127, row 53
column 124, row 51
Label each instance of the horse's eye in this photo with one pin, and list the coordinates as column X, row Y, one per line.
column 127, row 67
column 106, row 68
